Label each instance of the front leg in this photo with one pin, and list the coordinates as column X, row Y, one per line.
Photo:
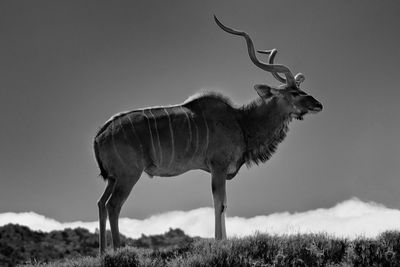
column 218, row 187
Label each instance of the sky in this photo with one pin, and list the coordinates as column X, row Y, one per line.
column 67, row 66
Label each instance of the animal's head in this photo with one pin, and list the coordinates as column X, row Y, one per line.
column 296, row 102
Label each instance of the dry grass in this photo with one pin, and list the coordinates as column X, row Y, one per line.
column 257, row 250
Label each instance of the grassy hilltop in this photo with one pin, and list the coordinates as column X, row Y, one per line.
column 257, row 250
column 19, row 244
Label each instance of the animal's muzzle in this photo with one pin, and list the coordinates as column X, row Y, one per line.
column 317, row 107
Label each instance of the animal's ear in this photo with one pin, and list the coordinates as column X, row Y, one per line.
column 265, row 91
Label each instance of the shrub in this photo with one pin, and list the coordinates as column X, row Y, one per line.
column 124, row 257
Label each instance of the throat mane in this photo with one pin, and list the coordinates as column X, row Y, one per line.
column 264, row 127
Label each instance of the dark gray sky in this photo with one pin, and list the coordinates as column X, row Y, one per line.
column 67, row 66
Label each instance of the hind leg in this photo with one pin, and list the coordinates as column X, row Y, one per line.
column 103, row 214
column 122, row 188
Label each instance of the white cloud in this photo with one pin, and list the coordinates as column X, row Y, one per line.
column 350, row 218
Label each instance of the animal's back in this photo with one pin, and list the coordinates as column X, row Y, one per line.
column 165, row 141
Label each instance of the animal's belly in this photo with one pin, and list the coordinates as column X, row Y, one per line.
column 175, row 170
column 154, row 171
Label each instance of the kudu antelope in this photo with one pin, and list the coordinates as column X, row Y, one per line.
column 205, row 132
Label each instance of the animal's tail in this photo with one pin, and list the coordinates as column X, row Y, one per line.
column 103, row 172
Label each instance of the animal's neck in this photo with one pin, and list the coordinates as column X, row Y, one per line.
column 264, row 126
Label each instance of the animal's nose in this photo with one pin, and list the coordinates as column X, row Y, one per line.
column 317, row 107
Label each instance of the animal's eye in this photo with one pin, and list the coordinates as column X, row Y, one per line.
column 295, row 94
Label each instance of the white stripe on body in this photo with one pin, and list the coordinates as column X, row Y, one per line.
column 126, row 137
column 151, row 134
column 190, row 130
column 158, row 138
column 137, row 137
column 208, row 132
column 114, row 146
column 197, row 140
column 172, row 138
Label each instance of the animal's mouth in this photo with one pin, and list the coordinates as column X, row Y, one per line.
column 298, row 116
column 315, row 109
